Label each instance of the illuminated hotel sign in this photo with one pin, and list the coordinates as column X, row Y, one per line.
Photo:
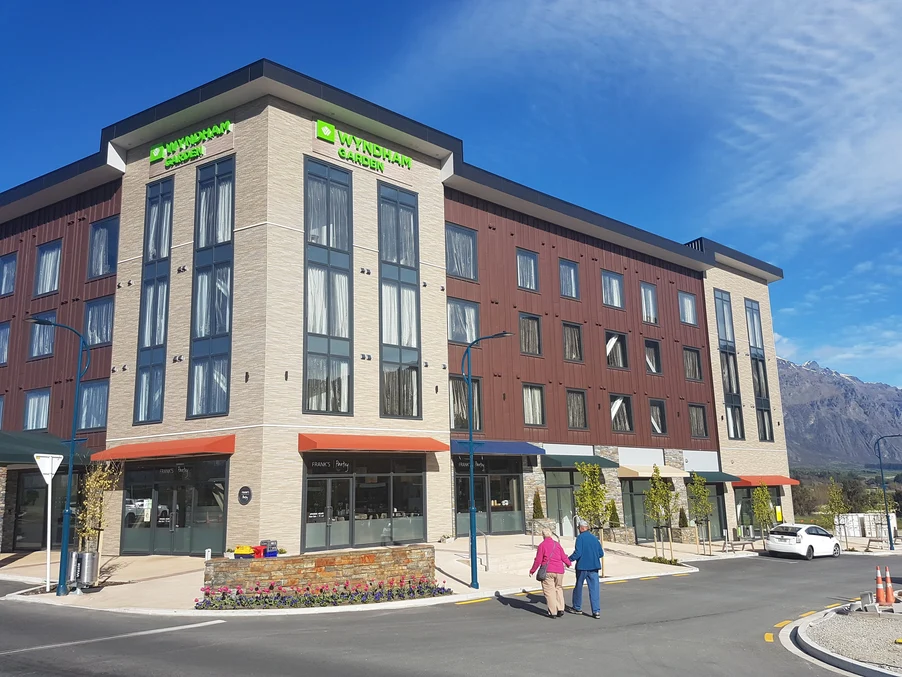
column 360, row 151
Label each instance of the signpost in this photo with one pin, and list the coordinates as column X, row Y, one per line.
column 48, row 465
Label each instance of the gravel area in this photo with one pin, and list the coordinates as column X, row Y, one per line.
column 866, row 637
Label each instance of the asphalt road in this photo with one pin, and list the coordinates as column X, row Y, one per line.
column 710, row 623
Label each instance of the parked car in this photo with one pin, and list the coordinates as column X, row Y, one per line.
column 808, row 541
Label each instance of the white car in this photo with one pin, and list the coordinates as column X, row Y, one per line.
column 805, row 540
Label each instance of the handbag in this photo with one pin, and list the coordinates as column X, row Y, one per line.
column 542, row 573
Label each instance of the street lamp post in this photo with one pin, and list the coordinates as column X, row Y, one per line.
column 474, row 574
column 62, row 587
column 889, row 529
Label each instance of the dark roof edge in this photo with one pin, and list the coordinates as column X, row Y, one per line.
column 53, row 178
column 705, row 245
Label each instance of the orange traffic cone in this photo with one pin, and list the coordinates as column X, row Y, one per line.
column 881, row 593
column 890, row 594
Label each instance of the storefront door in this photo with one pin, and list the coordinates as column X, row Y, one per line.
column 561, row 509
column 634, row 508
column 172, row 531
column 463, row 505
column 328, row 521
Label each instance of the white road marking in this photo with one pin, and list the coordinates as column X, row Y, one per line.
column 106, row 639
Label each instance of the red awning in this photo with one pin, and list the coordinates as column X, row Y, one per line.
column 766, row 480
column 369, row 443
column 183, row 447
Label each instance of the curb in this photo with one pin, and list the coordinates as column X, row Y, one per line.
column 799, row 630
column 385, row 606
column 4, row 578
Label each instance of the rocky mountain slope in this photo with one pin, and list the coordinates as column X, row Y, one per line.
column 834, row 418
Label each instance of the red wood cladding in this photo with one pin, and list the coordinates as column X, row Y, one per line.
column 503, row 369
column 70, row 220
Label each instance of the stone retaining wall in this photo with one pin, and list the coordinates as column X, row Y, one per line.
column 324, row 568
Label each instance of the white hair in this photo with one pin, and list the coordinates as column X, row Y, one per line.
column 546, row 533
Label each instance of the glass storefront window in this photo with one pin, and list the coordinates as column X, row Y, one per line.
column 558, row 478
column 372, row 515
column 408, row 509
column 507, row 507
column 31, row 510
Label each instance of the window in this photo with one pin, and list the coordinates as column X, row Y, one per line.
column 756, row 336
column 621, row 414
column 692, row 363
column 2, row 399
column 4, row 343
column 327, row 345
column 765, row 426
column 759, row 378
column 530, row 335
column 734, row 423
column 37, row 409
column 687, row 308
column 724, row 312
column 612, row 288
column 211, row 327
column 152, row 329
column 400, row 279
column 533, row 405
column 527, row 270
column 569, row 279
column 7, row 274
column 47, row 268
column 576, row 410
column 459, row 413
column 653, row 357
column 93, row 408
column 99, row 321
column 649, row 303
column 615, row 348
column 43, row 336
column 698, row 422
column 460, row 252
column 729, row 373
column 103, row 248
column 463, row 321
column 658, row 417
column 573, row 342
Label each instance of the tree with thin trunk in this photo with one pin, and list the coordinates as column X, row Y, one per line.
column 659, row 505
column 836, row 506
column 591, row 499
column 762, row 509
column 700, row 506
column 100, row 478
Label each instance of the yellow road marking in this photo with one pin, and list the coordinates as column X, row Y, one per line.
column 768, row 637
column 782, row 624
column 807, row 613
column 649, row 578
column 612, row 582
column 678, row 575
column 474, row 601
column 832, row 606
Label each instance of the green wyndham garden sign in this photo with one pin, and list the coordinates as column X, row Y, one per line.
column 360, row 151
column 188, row 147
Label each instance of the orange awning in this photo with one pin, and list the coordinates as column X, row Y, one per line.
column 766, row 480
column 369, row 443
column 183, row 447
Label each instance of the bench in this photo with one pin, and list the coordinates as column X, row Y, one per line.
column 730, row 544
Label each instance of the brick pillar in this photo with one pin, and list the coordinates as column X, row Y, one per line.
column 673, row 458
column 534, row 479
column 612, row 478
column 729, row 499
column 786, row 501
column 8, row 480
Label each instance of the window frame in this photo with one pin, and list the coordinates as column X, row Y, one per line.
column 628, row 403
column 2, row 408
column 560, row 265
column 729, row 359
column 37, row 271
column 620, row 276
column 608, row 333
column 469, row 232
column 759, row 378
column 704, row 409
column 4, row 359
column 49, row 392
column 34, row 327
column 115, row 262
column 654, row 401
column 4, row 261
column 753, row 315
column 581, row 392
column 111, row 298
column 657, row 344
column 477, row 410
column 582, row 350
column 723, row 304
column 770, row 423
column 538, row 319
column 730, row 413
column 465, row 302
column 106, row 414
column 694, row 297
column 642, row 286
column 541, row 388
column 698, row 354
column 535, row 258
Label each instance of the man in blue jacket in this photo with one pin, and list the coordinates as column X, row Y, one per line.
column 587, row 554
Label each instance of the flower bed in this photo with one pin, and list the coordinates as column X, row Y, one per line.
column 272, row 596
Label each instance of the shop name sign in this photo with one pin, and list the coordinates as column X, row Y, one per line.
column 360, row 151
column 188, row 147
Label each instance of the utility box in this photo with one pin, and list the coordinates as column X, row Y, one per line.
column 271, row 548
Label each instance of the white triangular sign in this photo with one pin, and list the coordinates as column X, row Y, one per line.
column 48, row 464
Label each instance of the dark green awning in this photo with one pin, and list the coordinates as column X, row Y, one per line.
column 552, row 461
column 19, row 448
column 712, row 476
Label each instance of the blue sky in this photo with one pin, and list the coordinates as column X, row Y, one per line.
column 772, row 126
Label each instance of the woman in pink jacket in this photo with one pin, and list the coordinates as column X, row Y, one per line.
column 551, row 554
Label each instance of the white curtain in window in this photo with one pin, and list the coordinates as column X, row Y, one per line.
column 206, row 218
column 657, row 418
column 530, row 338
column 461, row 321
column 7, row 274
column 48, row 266
column 576, row 410
column 461, row 253
column 620, row 414
column 409, row 391
column 202, row 303
column 317, row 321
column 753, row 318
column 4, row 343
column 340, row 313
column 338, row 197
column 340, row 385
column 99, row 260
column 692, row 365
column 697, row 424
column 388, row 233
column 734, row 423
column 649, row 303
column 224, row 209
column 219, row 387
column 651, row 358
column 148, row 320
column 42, row 337
column 2, row 399
column 573, row 348
column 409, row 335
column 458, row 388
column 765, row 431
column 165, row 226
column 37, row 409
column 533, row 407
column 569, row 281
column 724, row 312
column 221, row 299
column 612, row 289
column 317, row 379
column 317, row 211
column 390, row 322
column 407, row 237
column 92, row 413
column 527, row 275
column 150, row 393
column 200, row 375
column 99, row 322
column 616, row 351
column 687, row 308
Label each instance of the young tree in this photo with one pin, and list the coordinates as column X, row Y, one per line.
column 837, row 505
column 99, row 479
column 700, row 506
column 659, row 503
column 762, row 509
column 591, row 497
column 537, row 512
column 614, row 519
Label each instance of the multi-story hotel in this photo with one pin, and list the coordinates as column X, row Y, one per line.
column 277, row 281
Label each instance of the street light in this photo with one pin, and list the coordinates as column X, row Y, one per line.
column 889, row 529
column 474, row 575
column 62, row 587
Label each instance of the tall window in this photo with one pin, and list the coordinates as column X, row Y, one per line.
column 533, row 404
column 43, row 336
column 460, row 252
column 2, row 400
column 612, row 288
column 530, row 335
column 463, row 321
column 573, row 342
column 692, row 364
column 99, row 321
column 103, row 248
column 327, row 345
column 759, row 378
column 47, row 268
column 735, row 429
column 400, row 276
column 729, row 373
column 37, row 409
column 7, row 274
column 615, row 347
column 569, row 279
column 151, row 373
column 753, row 319
column 93, row 406
column 211, row 325
column 4, row 343
column 527, row 270
column 687, row 308
column 765, row 426
column 658, row 410
column 576, row 410
column 698, row 422
column 759, row 371
column 458, row 387
column 649, row 303
column 621, row 414
column 653, row 357
column 724, row 312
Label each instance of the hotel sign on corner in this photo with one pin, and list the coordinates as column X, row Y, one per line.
column 189, row 147
column 360, row 151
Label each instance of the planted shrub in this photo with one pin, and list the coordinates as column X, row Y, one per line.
column 615, row 518
column 684, row 522
column 537, row 512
